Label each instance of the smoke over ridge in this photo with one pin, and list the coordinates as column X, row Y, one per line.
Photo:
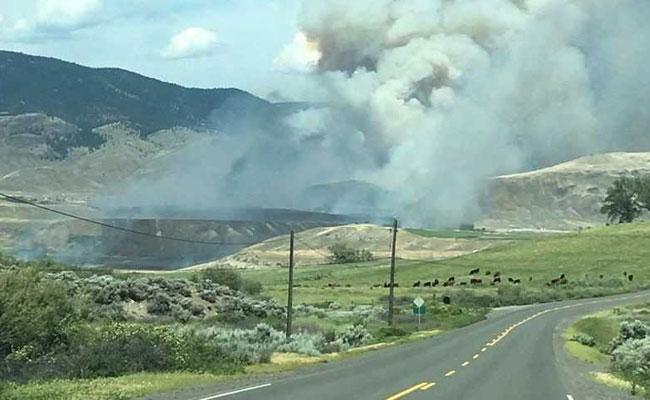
column 429, row 98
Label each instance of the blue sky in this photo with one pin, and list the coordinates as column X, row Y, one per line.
column 200, row 43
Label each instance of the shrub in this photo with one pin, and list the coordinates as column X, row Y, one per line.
column 584, row 339
column 304, row 343
column 342, row 254
column 33, row 311
column 632, row 361
column 161, row 304
column 251, row 287
column 354, row 336
column 248, row 346
column 390, row 332
column 629, row 331
column 223, row 277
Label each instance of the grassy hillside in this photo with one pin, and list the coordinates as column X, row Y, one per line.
column 583, row 257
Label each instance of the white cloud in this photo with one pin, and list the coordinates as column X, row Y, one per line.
column 67, row 14
column 191, row 43
column 52, row 19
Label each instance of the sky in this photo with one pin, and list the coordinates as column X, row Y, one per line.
column 197, row 43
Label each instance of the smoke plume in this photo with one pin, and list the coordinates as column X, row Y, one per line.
column 429, row 98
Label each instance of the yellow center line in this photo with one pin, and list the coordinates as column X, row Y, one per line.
column 429, row 386
column 466, row 363
column 407, row 391
column 450, row 373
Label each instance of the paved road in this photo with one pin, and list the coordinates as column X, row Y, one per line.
column 511, row 355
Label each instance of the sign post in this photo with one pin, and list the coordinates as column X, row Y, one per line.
column 419, row 309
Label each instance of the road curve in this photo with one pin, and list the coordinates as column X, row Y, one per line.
column 510, row 355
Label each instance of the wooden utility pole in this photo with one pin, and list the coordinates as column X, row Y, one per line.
column 290, row 295
column 391, row 287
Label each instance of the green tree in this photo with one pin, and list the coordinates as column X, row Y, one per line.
column 342, row 254
column 34, row 312
column 622, row 202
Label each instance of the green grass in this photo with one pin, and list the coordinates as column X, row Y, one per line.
column 586, row 353
column 608, row 251
column 602, row 328
column 120, row 388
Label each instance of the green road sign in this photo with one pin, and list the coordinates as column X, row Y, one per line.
column 419, row 310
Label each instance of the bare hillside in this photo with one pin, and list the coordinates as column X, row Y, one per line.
column 565, row 196
column 312, row 245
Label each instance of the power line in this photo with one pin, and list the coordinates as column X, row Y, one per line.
column 313, row 249
column 95, row 222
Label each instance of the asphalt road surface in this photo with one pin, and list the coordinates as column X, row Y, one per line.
column 514, row 354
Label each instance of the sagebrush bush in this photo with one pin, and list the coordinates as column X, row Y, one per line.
column 223, row 277
column 632, row 361
column 354, row 336
column 161, row 304
column 584, row 339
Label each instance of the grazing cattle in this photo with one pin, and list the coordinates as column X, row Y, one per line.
column 476, row 281
column 496, row 280
column 530, row 279
column 348, row 285
column 446, row 300
column 452, row 279
column 427, row 284
column 624, row 273
column 497, row 274
column 511, row 280
column 517, row 281
column 602, row 276
column 417, row 284
column 435, row 283
column 630, row 277
column 475, row 271
column 488, row 273
column 554, row 281
column 395, row 284
column 563, row 281
column 562, row 276
column 376, row 285
column 447, row 284
column 463, row 284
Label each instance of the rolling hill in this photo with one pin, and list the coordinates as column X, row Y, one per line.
column 92, row 97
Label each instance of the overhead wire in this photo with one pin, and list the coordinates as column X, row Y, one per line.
column 119, row 228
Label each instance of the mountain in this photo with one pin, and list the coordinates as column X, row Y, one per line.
column 93, row 97
column 564, row 196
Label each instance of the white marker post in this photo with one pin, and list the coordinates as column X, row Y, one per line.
column 418, row 309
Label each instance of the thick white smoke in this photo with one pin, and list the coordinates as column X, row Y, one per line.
column 449, row 92
column 428, row 98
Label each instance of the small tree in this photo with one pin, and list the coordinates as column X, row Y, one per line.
column 342, row 254
column 622, row 202
column 632, row 361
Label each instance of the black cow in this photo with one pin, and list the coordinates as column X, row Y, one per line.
column 517, row 281
column 435, row 283
column 475, row 271
column 497, row 274
column 476, row 281
column 630, row 277
column 446, row 300
column 417, row 284
column 427, row 284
